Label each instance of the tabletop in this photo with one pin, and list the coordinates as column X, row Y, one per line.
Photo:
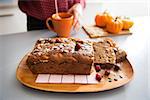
column 14, row 46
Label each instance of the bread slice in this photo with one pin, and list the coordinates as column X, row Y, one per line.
column 120, row 55
column 104, row 54
column 107, row 54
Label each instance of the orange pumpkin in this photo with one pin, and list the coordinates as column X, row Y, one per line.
column 115, row 25
column 102, row 19
column 127, row 23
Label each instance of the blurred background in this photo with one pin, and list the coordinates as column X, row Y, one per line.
column 12, row 20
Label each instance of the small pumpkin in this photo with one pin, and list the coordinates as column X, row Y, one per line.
column 127, row 23
column 115, row 25
column 101, row 19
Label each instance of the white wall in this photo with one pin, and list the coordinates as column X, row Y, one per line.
column 12, row 24
column 6, row 3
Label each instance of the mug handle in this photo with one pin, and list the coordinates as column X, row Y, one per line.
column 50, row 27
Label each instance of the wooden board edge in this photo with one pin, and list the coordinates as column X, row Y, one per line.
column 106, row 33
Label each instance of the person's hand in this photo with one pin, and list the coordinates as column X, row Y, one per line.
column 76, row 10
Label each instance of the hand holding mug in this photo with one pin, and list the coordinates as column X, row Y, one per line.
column 77, row 11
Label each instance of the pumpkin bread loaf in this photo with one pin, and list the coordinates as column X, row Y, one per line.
column 61, row 56
column 73, row 56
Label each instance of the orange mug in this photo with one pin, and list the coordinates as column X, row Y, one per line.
column 61, row 26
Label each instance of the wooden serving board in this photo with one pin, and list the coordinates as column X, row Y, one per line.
column 96, row 32
column 25, row 76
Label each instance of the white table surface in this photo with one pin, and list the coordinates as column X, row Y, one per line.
column 14, row 46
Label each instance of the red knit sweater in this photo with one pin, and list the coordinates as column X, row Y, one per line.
column 42, row 9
